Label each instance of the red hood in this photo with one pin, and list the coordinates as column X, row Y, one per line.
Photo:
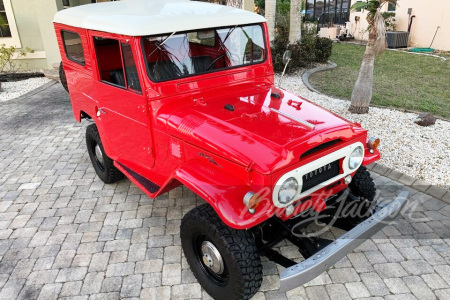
column 254, row 132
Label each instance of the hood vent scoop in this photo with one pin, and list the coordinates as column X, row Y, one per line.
column 320, row 147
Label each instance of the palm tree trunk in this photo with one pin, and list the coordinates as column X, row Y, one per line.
column 362, row 92
column 235, row 3
column 270, row 10
column 295, row 30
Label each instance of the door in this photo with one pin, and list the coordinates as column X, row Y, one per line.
column 122, row 110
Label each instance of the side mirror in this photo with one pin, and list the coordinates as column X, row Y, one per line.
column 286, row 56
column 286, row 59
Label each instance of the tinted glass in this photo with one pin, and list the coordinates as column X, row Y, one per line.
column 130, row 68
column 109, row 61
column 73, row 46
column 195, row 52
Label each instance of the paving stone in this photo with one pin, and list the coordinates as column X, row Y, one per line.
column 337, row 292
column 390, row 270
column 30, row 292
column 99, row 262
column 149, row 266
column 111, row 284
column 374, row 284
column 71, row 288
column 71, row 274
column 12, row 288
column 419, row 288
column 120, row 269
column 131, row 286
column 156, row 293
column 396, row 285
column 434, row 281
column 343, row 275
column 443, row 294
column 92, row 283
column 417, row 267
column 357, row 290
column 50, row 291
column 316, row 293
column 42, row 277
column 171, row 274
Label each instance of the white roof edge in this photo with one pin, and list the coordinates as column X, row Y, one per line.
column 151, row 17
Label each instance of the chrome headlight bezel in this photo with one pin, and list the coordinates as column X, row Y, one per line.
column 290, row 189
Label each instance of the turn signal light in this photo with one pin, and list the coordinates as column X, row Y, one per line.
column 373, row 143
column 251, row 200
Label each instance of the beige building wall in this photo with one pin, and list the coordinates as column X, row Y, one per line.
column 429, row 15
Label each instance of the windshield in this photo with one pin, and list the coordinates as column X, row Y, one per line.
column 178, row 55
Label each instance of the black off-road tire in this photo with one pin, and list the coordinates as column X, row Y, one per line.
column 363, row 187
column 243, row 270
column 107, row 172
column 62, row 77
column 362, row 184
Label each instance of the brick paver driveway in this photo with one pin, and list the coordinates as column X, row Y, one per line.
column 63, row 233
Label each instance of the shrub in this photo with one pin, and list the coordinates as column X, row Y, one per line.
column 304, row 53
column 9, row 63
column 323, row 49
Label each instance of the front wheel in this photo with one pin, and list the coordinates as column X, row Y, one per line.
column 362, row 191
column 224, row 260
column 103, row 165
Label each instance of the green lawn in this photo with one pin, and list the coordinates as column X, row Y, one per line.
column 402, row 80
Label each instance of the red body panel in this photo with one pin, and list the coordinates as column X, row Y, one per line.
column 178, row 132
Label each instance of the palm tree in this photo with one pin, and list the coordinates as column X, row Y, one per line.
column 362, row 92
column 235, row 3
column 295, row 31
column 270, row 10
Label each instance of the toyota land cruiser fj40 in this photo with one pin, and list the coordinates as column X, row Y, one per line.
column 183, row 93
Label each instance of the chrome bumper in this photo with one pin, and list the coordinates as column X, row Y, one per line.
column 312, row 267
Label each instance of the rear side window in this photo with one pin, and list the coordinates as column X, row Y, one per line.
column 73, row 46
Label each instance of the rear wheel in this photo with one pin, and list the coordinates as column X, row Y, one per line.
column 224, row 260
column 62, row 77
column 103, row 165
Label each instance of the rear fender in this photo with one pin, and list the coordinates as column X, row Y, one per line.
column 223, row 191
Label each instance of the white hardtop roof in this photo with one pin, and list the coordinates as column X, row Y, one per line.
column 151, row 17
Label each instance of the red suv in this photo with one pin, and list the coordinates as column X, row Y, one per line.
column 182, row 92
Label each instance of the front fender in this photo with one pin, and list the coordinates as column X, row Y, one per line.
column 223, row 191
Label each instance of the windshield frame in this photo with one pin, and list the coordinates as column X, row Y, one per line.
column 266, row 49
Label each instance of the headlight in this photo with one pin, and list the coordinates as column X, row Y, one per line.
column 288, row 190
column 356, row 158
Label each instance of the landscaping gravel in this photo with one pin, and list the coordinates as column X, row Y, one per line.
column 12, row 90
column 420, row 152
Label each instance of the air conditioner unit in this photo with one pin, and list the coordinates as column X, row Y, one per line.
column 397, row 39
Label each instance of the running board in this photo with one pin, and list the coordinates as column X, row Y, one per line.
column 149, row 187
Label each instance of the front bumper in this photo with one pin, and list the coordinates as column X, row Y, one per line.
column 312, row 267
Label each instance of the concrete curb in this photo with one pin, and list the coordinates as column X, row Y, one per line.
column 417, row 184
column 331, row 65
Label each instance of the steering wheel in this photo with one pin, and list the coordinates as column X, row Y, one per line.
column 214, row 61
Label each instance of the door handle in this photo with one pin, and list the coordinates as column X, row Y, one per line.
column 100, row 111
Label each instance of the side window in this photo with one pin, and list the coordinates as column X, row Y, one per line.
column 130, row 68
column 73, row 46
column 109, row 61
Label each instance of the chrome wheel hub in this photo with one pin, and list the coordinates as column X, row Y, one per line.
column 211, row 257
column 99, row 154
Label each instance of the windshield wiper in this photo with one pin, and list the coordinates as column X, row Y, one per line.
column 162, row 43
